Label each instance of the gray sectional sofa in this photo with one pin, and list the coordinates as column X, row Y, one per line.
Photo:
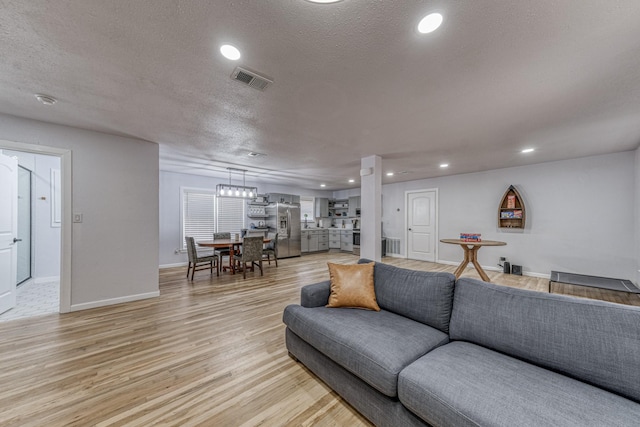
column 443, row 352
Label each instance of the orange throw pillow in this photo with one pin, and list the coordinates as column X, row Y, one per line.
column 352, row 286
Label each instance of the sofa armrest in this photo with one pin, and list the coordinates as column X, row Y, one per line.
column 316, row 295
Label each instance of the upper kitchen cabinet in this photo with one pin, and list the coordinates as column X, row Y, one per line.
column 283, row 198
column 321, row 207
column 354, row 206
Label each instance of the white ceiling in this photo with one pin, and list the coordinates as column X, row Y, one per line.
column 351, row 79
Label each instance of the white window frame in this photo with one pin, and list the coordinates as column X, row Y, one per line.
column 312, row 215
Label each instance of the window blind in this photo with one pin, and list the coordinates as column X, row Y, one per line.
column 198, row 214
column 231, row 213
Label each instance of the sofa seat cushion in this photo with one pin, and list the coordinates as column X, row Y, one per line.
column 373, row 345
column 463, row 384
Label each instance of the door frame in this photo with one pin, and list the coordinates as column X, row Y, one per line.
column 65, row 232
column 406, row 221
column 31, row 198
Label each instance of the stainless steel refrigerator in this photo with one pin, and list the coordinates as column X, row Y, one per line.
column 284, row 218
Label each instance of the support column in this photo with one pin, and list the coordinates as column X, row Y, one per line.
column 371, row 207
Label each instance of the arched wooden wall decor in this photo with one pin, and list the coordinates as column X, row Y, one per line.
column 511, row 213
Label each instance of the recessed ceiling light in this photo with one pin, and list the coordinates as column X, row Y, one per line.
column 352, row 180
column 444, row 165
column 46, row 99
column 389, row 173
column 324, row 1
column 323, row 185
column 528, row 150
column 430, row 23
column 230, row 52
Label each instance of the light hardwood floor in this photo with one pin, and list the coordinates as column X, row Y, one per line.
column 208, row 353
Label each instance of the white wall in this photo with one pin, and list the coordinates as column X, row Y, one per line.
column 637, row 214
column 115, row 186
column 579, row 214
column 45, row 237
column 170, row 183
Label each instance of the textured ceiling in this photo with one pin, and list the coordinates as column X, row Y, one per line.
column 351, row 79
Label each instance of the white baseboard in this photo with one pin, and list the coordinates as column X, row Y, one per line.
column 38, row 280
column 112, row 301
column 395, row 256
column 492, row 268
column 177, row 264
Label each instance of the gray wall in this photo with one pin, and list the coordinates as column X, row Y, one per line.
column 170, row 183
column 45, row 237
column 580, row 214
column 115, row 187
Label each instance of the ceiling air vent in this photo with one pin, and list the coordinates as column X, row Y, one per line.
column 250, row 78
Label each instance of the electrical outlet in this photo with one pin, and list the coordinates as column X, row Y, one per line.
column 77, row 217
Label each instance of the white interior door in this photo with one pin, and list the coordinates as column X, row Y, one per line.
column 8, row 231
column 421, row 225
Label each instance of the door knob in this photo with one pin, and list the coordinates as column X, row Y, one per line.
column 409, row 229
column 16, row 240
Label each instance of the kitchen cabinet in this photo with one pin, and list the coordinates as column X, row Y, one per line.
column 354, row 206
column 323, row 240
column 346, row 240
column 334, row 239
column 283, row 198
column 314, row 240
column 321, row 207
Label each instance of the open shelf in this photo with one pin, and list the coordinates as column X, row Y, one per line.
column 511, row 212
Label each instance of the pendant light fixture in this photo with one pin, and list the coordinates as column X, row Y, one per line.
column 236, row 191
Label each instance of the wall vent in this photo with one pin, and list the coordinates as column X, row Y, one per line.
column 250, row 78
column 393, row 246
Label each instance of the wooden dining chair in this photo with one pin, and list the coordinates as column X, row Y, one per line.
column 251, row 254
column 271, row 248
column 197, row 262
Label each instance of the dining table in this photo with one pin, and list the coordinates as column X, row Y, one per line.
column 233, row 245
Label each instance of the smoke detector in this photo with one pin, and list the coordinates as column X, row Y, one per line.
column 251, row 78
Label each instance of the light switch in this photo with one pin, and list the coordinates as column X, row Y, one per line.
column 77, row 217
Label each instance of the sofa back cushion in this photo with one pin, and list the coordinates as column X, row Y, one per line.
column 594, row 341
column 422, row 296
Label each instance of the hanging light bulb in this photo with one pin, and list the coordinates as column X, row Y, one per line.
column 227, row 190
